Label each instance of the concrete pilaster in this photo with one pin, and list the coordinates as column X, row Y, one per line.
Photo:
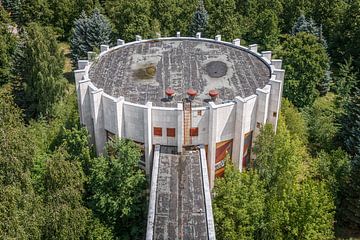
column 82, row 64
column 212, row 142
column 119, row 102
column 274, row 101
column 277, row 63
column 104, row 48
column 253, row 48
column 262, row 108
column 98, row 120
column 238, row 141
column 148, row 137
column 120, row 42
column 245, row 111
column 266, row 54
column 236, row 42
column 180, row 127
column 83, row 97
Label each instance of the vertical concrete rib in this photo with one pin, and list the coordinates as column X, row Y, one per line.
column 152, row 203
column 212, row 142
column 207, row 195
column 148, row 137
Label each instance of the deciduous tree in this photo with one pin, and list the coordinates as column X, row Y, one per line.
column 40, row 66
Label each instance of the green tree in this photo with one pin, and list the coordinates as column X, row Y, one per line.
column 265, row 30
column 297, row 207
column 130, row 18
column 35, row 11
column 294, row 120
column 223, row 19
column 117, row 188
column 238, row 204
column 292, row 9
column 334, row 169
column 40, row 66
column 64, row 14
column 7, row 47
column 346, row 81
column 322, row 122
column 305, row 25
column 200, row 20
column 13, row 7
column 66, row 217
column 350, row 130
column 350, row 210
column 305, row 62
column 20, row 208
column 88, row 34
column 345, row 33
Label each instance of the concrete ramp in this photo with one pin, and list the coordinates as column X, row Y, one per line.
column 180, row 203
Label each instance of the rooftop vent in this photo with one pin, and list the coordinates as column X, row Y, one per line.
column 170, row 93
column 213, row 94
column 192, row 93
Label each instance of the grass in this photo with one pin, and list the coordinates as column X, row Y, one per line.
column 68, row 70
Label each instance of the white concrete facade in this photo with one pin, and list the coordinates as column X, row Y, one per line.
column 103, row 114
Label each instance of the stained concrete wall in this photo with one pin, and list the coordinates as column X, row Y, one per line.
column 165, row 118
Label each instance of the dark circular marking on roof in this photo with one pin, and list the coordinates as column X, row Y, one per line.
column 216, row 69
column 142, row 71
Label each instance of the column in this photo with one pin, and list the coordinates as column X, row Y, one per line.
column 212, row 142
column 148, row 137
column 98, row 120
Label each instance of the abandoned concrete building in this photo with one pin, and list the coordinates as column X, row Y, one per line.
column 177, row 97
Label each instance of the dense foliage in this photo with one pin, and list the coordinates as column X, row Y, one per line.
column 304, row 184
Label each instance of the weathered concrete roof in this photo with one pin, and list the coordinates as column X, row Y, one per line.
column 180, row 204
column 141, row 72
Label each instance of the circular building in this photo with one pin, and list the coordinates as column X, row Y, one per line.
column 181, row 92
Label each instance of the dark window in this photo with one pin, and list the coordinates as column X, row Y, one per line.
column 274, row 114
column 158, row 131
column 110, row 136
column 199, row 112
column 170, row 132
column 194, row 132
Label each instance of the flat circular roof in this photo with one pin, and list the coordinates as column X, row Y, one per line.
column 142, row 71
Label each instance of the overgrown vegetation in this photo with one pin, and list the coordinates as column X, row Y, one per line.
column 304, row 184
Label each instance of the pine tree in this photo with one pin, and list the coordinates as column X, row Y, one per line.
column 40, row 66
column 88, row 34
column 200, row 20
column 98, row 30
column 345, row 81
column 350, row 211
column 351, row 125
column 13, row 7
column 304, row 25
